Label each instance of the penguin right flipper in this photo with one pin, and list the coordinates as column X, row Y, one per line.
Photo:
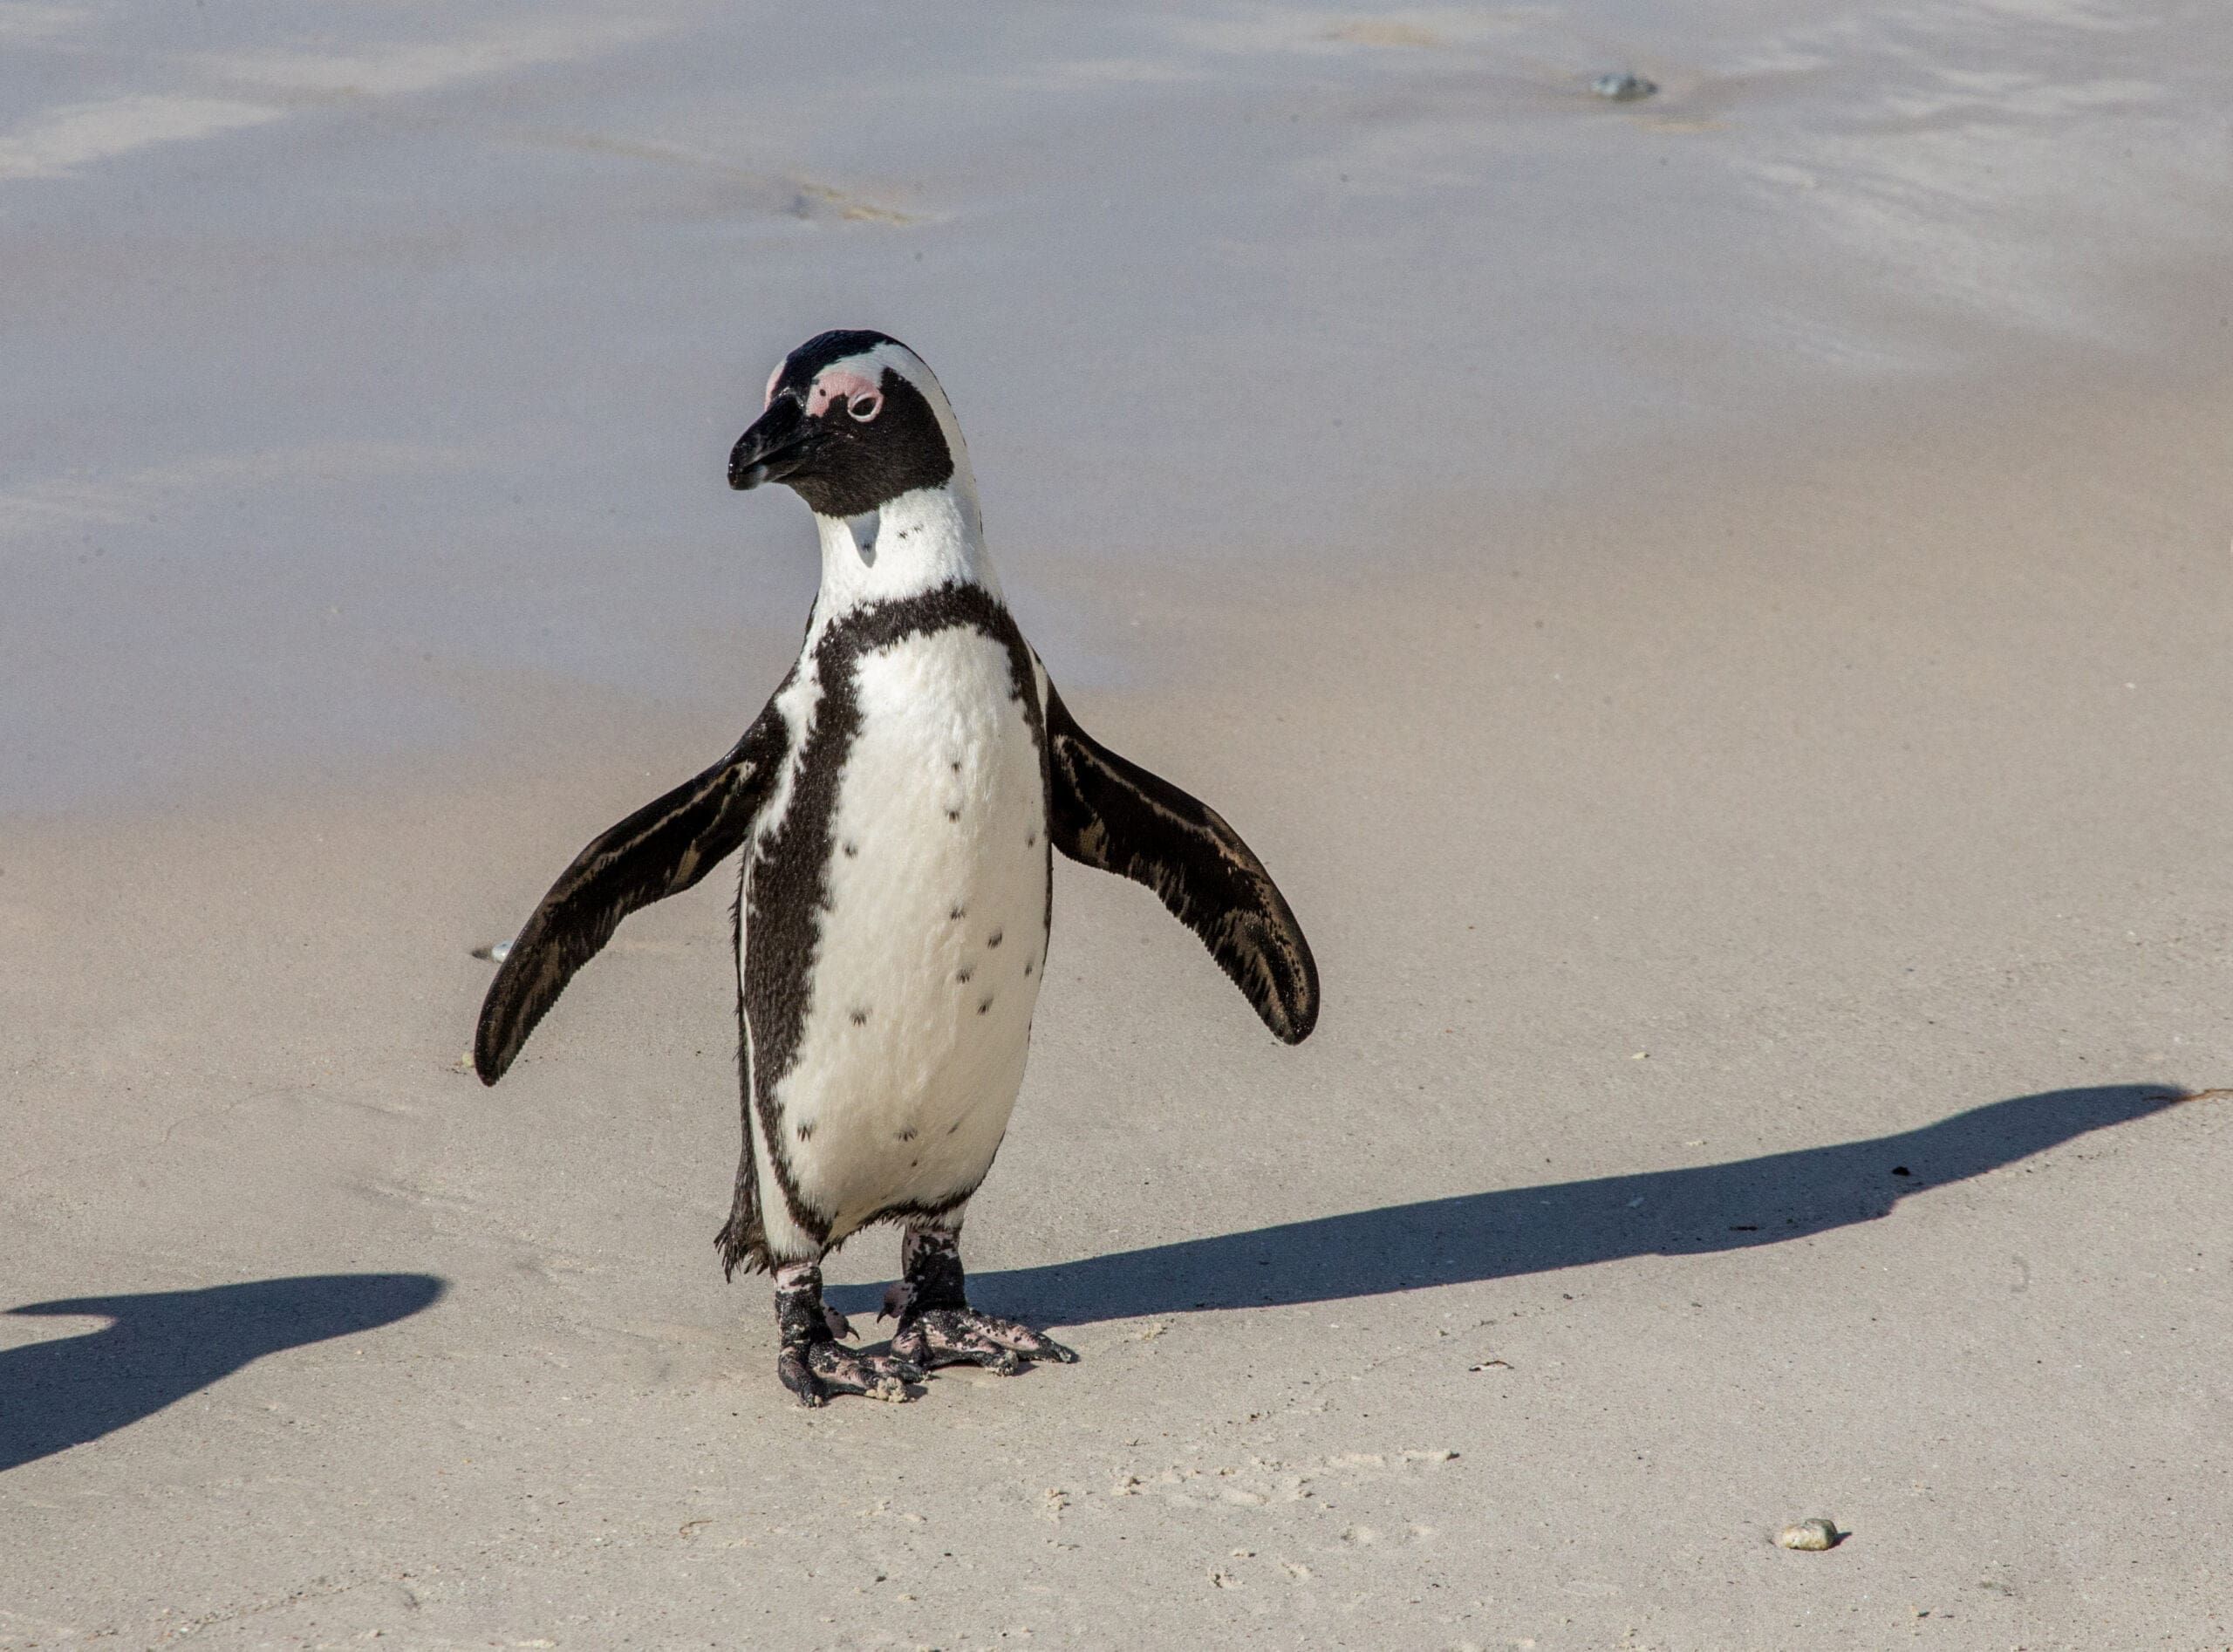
column 1112, row 814
column 661, row 850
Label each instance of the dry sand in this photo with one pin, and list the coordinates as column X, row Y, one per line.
column 1762, row 925
column 1746, row 740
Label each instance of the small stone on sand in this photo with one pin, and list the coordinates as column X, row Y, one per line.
column 1622, row 88
column 1813, row 1535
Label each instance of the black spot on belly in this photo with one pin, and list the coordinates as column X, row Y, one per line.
column 907, row 1135
column 953, row 814
column 805, row 1132
column 852, row 849
column 860, row 1018
column 996, row 940
column 1030, row 839
column 964, row 973
column 1027, row 970
column 982, row 1007
column 958, row 914
column 957, row 769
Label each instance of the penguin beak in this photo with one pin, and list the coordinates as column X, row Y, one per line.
column 780, row 444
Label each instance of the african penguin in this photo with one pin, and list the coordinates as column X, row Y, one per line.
column 897, row 803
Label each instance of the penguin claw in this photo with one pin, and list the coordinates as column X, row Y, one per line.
column 963, row 1336
column 820, row 1371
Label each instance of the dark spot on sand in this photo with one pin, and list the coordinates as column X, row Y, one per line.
column 1622, row 88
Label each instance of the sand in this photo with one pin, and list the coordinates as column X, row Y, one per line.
column 1768, row 867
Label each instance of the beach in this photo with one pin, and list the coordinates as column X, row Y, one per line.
column 1714, row 608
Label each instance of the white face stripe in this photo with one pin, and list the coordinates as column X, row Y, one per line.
column 869, row 365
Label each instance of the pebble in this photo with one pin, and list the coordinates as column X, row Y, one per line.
column 1622, row 88
column 1813, row 1535
column 495, row 954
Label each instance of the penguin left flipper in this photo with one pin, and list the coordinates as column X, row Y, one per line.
column 661, row 850
column 1112, row 814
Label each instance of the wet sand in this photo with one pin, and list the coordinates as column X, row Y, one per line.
column 1764, row 922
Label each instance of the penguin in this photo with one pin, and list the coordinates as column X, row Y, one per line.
column 896, row 806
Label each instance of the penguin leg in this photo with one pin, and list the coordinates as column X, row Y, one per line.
column 937, row 1325
column 813, row 1364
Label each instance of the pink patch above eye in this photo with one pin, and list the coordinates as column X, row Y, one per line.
column 768, row 400
column 842, row 384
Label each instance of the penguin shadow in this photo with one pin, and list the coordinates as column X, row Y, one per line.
column 1509, row 1231
column 161, row 1346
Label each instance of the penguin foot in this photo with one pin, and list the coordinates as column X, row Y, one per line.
column 938, row 1326
column 931, row 1337
column 814, row 1365
column 817, row 1371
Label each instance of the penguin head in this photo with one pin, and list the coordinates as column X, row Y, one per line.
column 852, row 420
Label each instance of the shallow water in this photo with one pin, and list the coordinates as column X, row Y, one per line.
column 369, row 365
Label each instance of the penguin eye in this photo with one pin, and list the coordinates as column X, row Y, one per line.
column 865, row 407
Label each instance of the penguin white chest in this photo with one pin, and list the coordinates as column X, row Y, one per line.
column 932, row 935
